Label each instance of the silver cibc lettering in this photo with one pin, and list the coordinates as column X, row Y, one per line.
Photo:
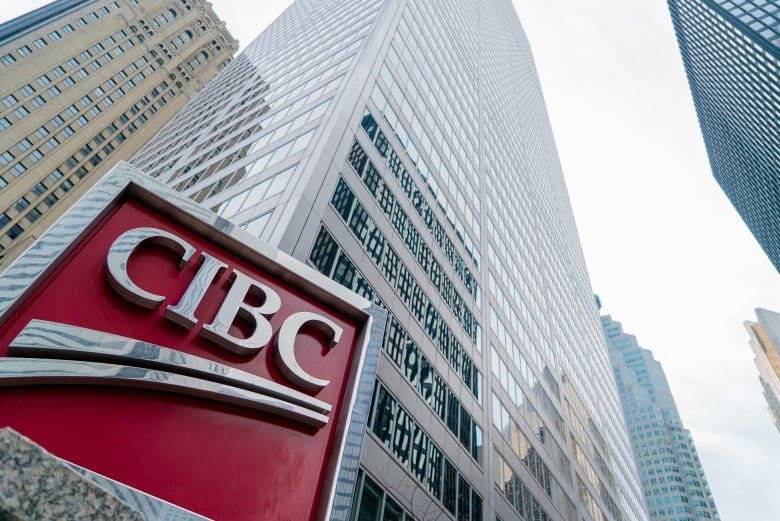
column 234, row 307
column 119, row 254
column 285, row 347
column 183, row 313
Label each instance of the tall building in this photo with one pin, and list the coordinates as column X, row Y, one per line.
column 403, row 149
column 731, row 51
column 83, row 84
column 765, row 343
column 673, row 480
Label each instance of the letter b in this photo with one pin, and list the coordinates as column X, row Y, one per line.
column 234, row 307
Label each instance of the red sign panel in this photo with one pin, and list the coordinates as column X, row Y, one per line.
column 217, row 457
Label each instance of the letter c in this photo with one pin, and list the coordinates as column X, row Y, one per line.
column 123, row 248
column 285, row 347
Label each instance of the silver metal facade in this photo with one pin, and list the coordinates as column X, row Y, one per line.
column 403, row 149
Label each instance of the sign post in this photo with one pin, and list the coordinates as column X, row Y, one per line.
column 152, row 342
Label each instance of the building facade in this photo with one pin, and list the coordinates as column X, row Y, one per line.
column 403, row 149
column 673, row 480
column 731, row 52
column 83, row 84
column 765, row 341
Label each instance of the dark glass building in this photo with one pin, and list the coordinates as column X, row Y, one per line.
column 731, row 50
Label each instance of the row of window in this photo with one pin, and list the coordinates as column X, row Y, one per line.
column 429, row 384
column 254, row 195
column 377, row 246
column 43, row 41
column 413, row 240
column 528, row 412
column 526, row 452
column 40, row 133
column 515, row 308
column 372, row 503
column 524, row 367
column 267, row 159
column 37, row 101
column 415, row 197
column 237, row 114
column 328, row 257
column 32, row 214
column 588, row 435
column 593, row 477
column 518, row 495
column 449, row 196
column 406, row 440
column 95, row 159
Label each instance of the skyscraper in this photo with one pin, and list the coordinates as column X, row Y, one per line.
column 765, row 343
column 83, row 84
column 672, row 477
column 731, row 51
column 403, row 149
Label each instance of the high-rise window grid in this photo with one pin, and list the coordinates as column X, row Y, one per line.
column 732, row 58
column 672, row 477
column 434, row 145
column 125, row 99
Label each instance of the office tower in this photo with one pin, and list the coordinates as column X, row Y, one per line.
column 731, row 51
column 403, row 149
column 764, row 341
column 672, row 478
column 83, row 84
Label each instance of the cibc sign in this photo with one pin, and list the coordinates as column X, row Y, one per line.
column 151, row 342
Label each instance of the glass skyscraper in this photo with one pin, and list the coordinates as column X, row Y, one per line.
column 672, row 477
column 403, row 149
column 731, row 51
column 765, row 343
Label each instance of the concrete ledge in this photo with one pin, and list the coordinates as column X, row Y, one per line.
column 36, row 486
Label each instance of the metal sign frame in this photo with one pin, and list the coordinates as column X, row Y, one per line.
column 124, row 181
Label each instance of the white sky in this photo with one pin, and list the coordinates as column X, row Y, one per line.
column 667, row 253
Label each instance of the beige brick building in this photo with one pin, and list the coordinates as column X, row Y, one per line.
column 84, row 84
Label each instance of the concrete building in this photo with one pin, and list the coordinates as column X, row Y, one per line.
column 673, row 480
column 403, row 149
column 83, row 84
column 731, row 52
column 764, row 341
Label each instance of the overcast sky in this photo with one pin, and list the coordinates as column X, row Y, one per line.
column 666, row 251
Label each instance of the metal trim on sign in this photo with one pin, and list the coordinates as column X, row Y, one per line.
column 78, row 355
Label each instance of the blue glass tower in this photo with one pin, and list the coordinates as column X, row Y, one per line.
column 731, row 51
column 672, row 478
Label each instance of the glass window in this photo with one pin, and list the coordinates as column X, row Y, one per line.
column 384, row 415
column 18, row 169
column 370, row 501
column 24, row 144
column 15, row 231
column 6, row 157
column 450, row 488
